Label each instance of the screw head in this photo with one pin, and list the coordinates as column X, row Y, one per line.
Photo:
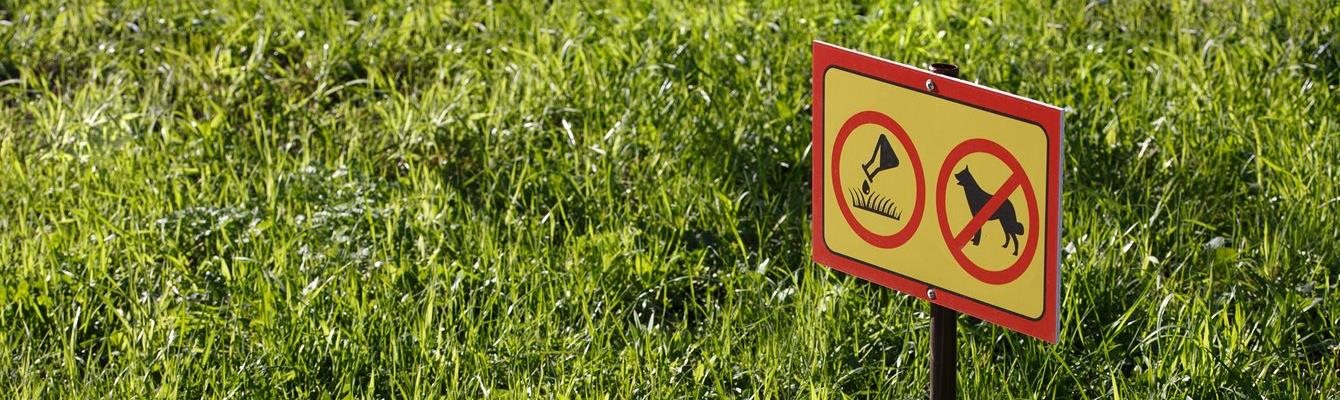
column 930, row 293
column 930, row 85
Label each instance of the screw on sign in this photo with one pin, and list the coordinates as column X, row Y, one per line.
column 987, row 206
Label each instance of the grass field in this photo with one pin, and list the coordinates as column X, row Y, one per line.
column 270, row 199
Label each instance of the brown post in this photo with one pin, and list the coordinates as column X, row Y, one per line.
column 944, row 352
column 944, row 322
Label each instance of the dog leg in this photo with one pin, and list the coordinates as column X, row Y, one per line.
column 1016, row 243
column 977, row 237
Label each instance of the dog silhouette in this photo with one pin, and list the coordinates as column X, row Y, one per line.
column 1005, row 214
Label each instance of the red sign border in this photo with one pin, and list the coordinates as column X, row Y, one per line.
column 1051, row 119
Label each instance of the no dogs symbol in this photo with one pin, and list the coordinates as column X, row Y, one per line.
column 976, row 204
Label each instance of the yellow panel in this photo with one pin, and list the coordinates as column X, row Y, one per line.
column 934, row 126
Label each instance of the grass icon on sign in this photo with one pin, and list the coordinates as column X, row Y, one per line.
column 875, row 203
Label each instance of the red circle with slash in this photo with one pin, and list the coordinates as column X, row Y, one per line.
column 902, row 235
column 957, row 240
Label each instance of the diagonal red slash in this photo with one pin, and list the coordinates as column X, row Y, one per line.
column 1003, row 193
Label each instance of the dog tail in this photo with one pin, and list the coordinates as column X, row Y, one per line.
column 1018, row 228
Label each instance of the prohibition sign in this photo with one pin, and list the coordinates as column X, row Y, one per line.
column 902, row 235
column 957, row 240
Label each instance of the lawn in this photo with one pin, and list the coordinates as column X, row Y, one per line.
column 386, row 199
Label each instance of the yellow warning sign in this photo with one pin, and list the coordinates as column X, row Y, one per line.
column 938, row 183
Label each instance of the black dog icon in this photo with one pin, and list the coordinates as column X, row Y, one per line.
column 1005, row 214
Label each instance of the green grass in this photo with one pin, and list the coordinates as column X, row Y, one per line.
column 270, row 199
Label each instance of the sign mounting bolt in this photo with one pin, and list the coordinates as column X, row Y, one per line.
column 930, row 293
column 930, row 85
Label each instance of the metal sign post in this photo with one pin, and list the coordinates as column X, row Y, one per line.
column 944, row 321
column 944, row 352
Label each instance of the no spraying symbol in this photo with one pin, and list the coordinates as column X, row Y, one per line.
column 901, row 236
column 986, row 206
